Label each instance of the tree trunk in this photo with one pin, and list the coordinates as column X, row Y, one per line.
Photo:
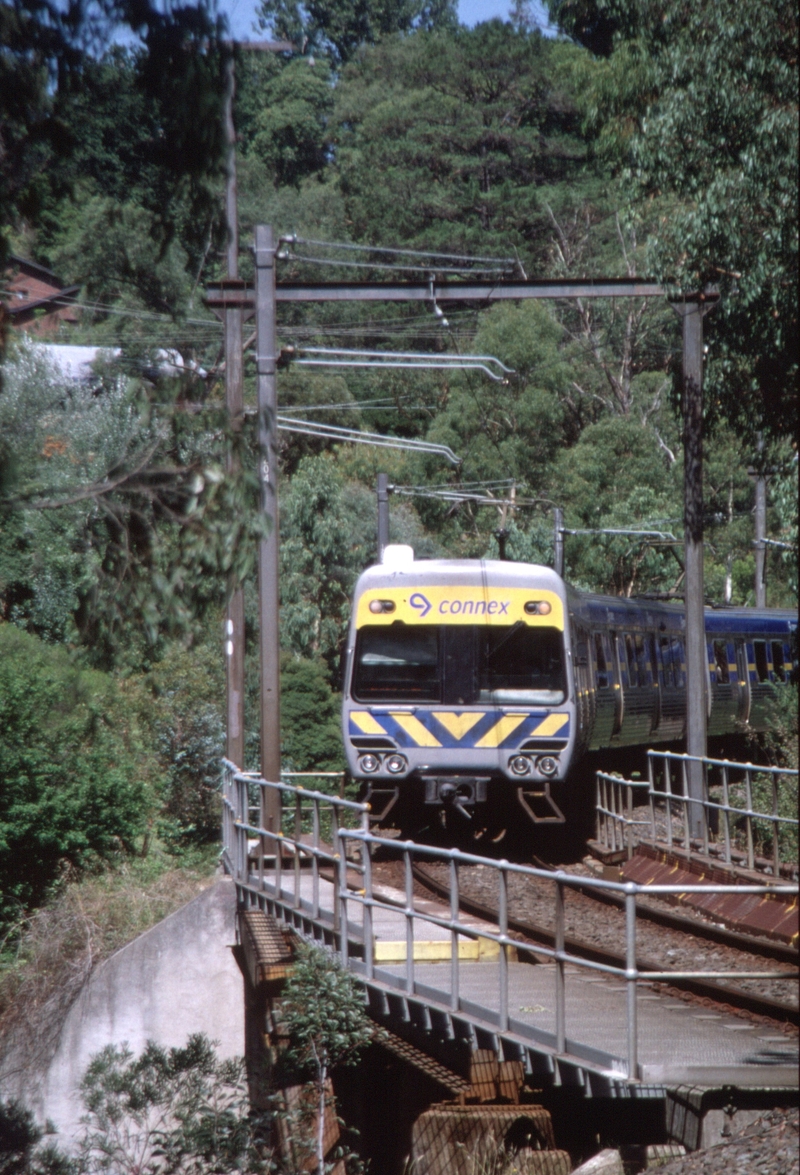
column 322, row 1076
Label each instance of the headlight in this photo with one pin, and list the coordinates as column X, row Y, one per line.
column 369, row 763
column 520, row 765
column 396, row 764
column 547, row 765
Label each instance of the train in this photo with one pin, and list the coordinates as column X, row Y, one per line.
column 478, row 690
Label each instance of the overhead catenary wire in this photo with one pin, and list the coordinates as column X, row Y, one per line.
column 293, row 238
column 385, row 265
column 355, row 436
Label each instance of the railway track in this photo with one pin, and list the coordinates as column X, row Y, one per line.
column 713, row 991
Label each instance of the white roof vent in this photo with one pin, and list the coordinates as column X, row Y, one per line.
column 397, row 555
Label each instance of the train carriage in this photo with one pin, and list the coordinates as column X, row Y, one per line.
column 479, row 686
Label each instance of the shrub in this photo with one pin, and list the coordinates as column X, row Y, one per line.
column 74, row 773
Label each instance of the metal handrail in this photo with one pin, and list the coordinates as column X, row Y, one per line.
column 726, row 769
column 254, row 883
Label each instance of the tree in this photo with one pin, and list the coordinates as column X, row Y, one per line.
column 74, row 770
column 323, row 1013
column 327, row 538
column 699, row 104
column 169, row 1110
column 444, row 140
column 339, row 27
column 50, row 58
column 20, row 1149
column 122, row 483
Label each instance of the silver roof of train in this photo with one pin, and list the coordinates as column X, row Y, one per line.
column 464, row 572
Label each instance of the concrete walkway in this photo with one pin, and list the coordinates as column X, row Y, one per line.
column 678, row 1041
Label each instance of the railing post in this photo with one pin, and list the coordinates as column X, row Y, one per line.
column 298, row 831
column 704, row 807
column 629, row 825
column 338, row 847
column 776, row 854
column 454, row 903
column 315, row 858
column 366, row 864
column 502, row 920
column 341, row 874
column 631, row 980
column 726, row 799
column 751, row 856
column 668, row 792
column 561, row 1031
column 409, row 877
column 651, row 795
column 687, row 808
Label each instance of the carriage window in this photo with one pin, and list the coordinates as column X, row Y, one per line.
column 630, row 653
column 777, row 661
column 760, row 654
column 641, row 658
column 397, row 663
column 678, row 662
column 721, row 662
column 519, row 664
column 603, row 675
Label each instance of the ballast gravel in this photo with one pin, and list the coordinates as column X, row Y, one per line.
column 767, row 1146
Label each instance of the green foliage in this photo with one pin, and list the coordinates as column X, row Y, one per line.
column 444, row 140
column 57, row 99
column 339, row 27
column 282, row 107
column 20, row 1152
column 311, row 738
column 126, row 494
column 721, row 158
column 182, row 706
column 73, row 769
column 327, row 538
column 323, row 1012
column 178, row 1109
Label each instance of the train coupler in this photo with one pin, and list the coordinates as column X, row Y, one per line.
column 548, row 810
column 456, row 791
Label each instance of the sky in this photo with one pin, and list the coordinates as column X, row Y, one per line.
column 241, row 14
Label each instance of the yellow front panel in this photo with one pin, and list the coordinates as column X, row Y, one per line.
column 501, row 730
column 457, row 724
column 415, row 730
column 459, row 605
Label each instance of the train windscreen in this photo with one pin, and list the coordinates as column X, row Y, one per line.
column 461, row 665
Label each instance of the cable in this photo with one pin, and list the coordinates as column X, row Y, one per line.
column 383, row 265
column 294, row 239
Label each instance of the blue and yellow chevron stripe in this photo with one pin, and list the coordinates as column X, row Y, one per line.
column 481, row 730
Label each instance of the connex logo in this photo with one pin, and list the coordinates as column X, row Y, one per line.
column 422, row 605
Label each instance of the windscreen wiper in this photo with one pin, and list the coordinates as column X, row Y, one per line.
column 515, row 627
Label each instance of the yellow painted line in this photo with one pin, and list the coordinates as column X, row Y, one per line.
column 551, row 724
column 366, row 723
column 457, row 724
column 414, row 729
column 501, row 730
column 439, row 951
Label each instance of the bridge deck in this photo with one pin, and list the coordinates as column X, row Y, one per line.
column 679, row 1042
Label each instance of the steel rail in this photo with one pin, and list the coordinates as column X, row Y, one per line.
column 707, row 988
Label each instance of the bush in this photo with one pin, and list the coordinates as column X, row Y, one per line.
column 73, row 769
column 184, row 711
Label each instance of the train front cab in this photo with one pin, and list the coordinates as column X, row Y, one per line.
column 459, row 701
